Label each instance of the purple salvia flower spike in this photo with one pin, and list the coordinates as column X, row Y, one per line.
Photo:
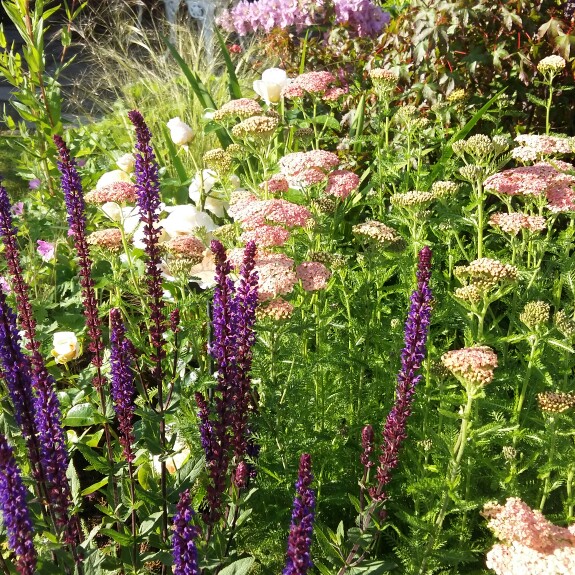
column 53, row 453
column 122, row 379
column 76, row 209
column 367, row 437
column 15, row 514
column 412, row 356
column 148, row 198
column 299, row 541
column 183, row 540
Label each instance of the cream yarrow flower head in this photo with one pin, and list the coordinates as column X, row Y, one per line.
column 555, row 401
column 413, row 199
column 240, row 108
column 565, row 324
column 379, row 233
column 444, row 189
column 535, row 314
column 256, row 126
column 218, row 159
column 551, row 65
column 472, row 364
column 108, row 240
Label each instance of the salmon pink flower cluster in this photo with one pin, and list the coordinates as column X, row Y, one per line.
column 512, row 223
column 529, row 542
column 472, row 364
column 118, row 192
column 310, row 83
column 313, row 275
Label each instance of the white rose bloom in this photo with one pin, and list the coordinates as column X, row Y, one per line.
column 213, row 201
column 204, row 273
column 128, row 217
column 112, row 177
column 180, row 132
column 269, row 88
column 66, row 346
column 138, row 237
column 126, row 163
column 184, row 220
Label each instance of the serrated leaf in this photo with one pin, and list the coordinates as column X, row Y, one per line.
column 239, row 567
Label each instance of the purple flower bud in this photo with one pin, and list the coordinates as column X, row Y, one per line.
column 15, row 514
column 299, row 540
column 367, row 437
column 123, row 390
column 412, row 355
column 183, row 541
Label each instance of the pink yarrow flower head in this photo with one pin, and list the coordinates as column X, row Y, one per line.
column 252, row 214
column 277, row 309
column 310, row 82
column 514, row 222
column 542, row 146
column 541, row 179
column 314, row 276
column 241, row 108
column 530, row 543
column 277, row 184
column 308, row 168
column 275, row 275
column 341, row 183
column 46, row 250
column 266, row 236
column 117, row 192
column 473, row 365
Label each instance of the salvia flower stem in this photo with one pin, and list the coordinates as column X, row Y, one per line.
column 76, row 210
column 123, row 392
column 148, row 199
column 15, row 514
column 412, row 356
column 298, row 560
column 184, row 538
column 53, row 453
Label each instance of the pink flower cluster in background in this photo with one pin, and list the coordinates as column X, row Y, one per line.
column 530, row 544
column 362, row 17
column 542, row 178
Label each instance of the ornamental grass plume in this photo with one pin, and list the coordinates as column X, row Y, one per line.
column 122, row 382
column 416, row 330
column 76, row 209
column 184, row 538
column 299, row 540
column 15, row 514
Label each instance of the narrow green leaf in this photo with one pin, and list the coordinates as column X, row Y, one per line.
column 233, row 83
column 239, row 567
column 174, row 158
column 95, row 487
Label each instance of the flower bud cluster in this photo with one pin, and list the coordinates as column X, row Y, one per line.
column 565, row 324
column 485, row 273
column 277, row 309
column 472, row 364
column 444, row 189
column 414, row 199
column 535, row 314
column 551, row 65
column 255, row 126
column 379, row 233
column 108, row 240
column 240, row 108
column 218, row 159
column 470, row 293
column 512, row 223
column 555, row 401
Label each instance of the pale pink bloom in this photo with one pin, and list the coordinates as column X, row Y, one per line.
column 275, row 275
column 307, row 177
column 561, row 199
column 307, row 168
column 335, row 93
column 46, row 250
column 321, row 159
column 277, row 309
column 513, row 222
column 240, row 108
column 525, row 181
column 341, row 183
column 277, row 184
column 108, row 239
column 545, row 145
column 18, row 209
column 34, row 184
column 530, row 543
column 313, row 275
column 311, row 82
column 258, row 212
column 4, row 285
column 118, row 192
column 266, row 236
column 473, row 364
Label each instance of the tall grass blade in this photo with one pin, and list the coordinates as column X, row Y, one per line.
column 233, row 83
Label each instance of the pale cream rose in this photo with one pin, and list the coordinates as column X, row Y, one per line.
column 66, row 346
column 126, row 163
column 112, row 177
column 213, row 199
column 128, row 217
column 204, row 273
column 269, row 88
column 180, row 132
column 185, row 220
